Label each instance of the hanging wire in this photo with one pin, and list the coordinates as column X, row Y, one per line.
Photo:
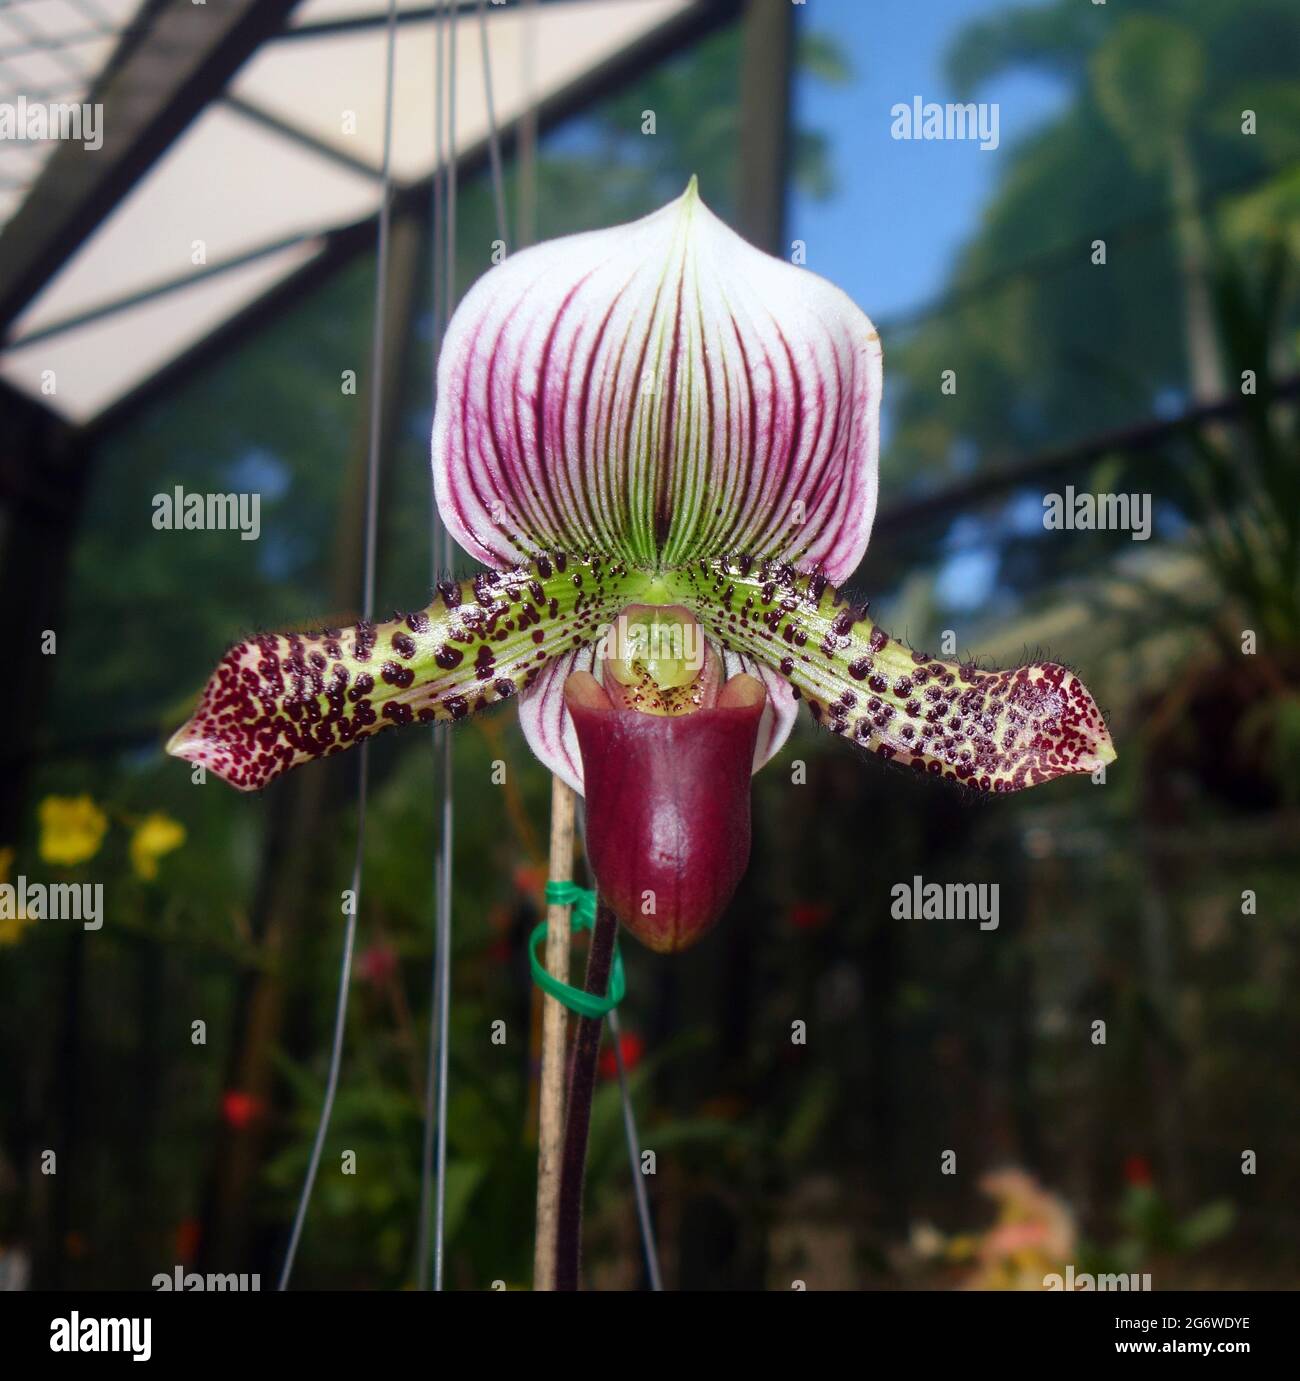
column 494, row 140
column 433, row 1167
column 442, row 1005
column 437, row 738
column 442, row 985
column 526, row 162
column 644, row 1221
column 368, row 609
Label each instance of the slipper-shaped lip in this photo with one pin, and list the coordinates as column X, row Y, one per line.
column 668, row 806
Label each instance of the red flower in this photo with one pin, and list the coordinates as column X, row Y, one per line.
column 187, row 1239
column 378, row 965
column 239, row 1109
column 807, row 915
column 632, row 1046
column 529, row 880
column 1137, row 1171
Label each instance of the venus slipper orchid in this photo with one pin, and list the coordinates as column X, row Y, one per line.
column 663, row 445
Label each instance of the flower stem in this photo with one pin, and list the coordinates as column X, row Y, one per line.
column 550, row 1119
column 582, row 1086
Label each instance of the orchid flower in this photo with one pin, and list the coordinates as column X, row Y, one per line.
column 663, row 445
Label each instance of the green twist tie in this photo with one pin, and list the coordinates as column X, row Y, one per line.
column 581, row 917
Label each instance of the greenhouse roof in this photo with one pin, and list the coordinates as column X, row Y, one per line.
column 239, row 153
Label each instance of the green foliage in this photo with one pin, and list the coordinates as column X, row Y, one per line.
column 1147, row 76
column 1046, row 345
column 1151, row 1228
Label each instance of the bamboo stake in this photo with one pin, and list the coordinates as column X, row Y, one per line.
column 550, row 1136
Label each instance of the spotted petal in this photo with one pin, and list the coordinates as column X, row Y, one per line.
column 992, row 730
column 278, row 700
column 659, row 391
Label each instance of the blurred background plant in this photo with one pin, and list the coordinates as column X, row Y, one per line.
column 1035, row 1237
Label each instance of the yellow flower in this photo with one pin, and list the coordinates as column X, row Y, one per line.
column 11, row 927
column 72, row 829
column 155, row 835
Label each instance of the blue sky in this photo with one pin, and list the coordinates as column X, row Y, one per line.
column 901, row 210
